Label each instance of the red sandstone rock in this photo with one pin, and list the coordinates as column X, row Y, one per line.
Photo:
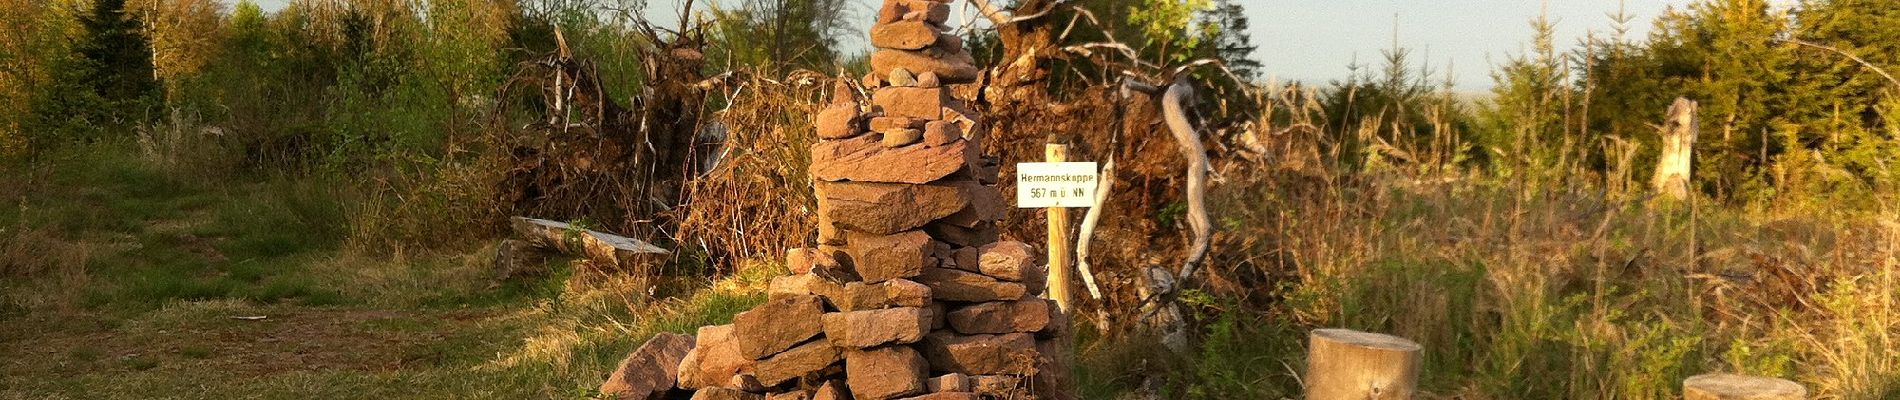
column 937, row 315
column 859, row 296
column 830, row 390
column 745, row 381
column 871, row 328
column 847, row 271
column 887, row 257
column 887, row 208
column 949, row 396
column 987, row 172
column 829, row 234
column 1005, row 354
column 804, row 285
column 777, row 325
column 954, row 285
column 885, row 373
column 938, row 133
column 983, row 233
column 792, row 395
column 1023, row 315
column 934, row 16
column 935, row 12
column 912, row 102
column 865, row 159
column 967, row 259
column 903, row 35
column 837, row 121
column 651, row 370
column 721, row 393
column 951, row 382
column 928, row 80
column 986, row 204
column 949, row 43
column 799, row 361
column 902, row 137
column 1011, row 261
column 887, row 124
column 806, row 260
column 714, row 359
column 842, row 93
column 953, row 68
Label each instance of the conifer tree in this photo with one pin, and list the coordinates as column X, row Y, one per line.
column 118, row 55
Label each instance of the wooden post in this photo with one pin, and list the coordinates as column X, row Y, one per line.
column 1059, row 239
column 1345, row 364
column 1740, row 387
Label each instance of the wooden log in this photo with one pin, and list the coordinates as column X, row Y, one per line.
column 1741, row 387
column 1346, row 364
column 595, row 245
column 1678, row 146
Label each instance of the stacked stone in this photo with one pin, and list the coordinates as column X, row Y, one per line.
column 909, row 294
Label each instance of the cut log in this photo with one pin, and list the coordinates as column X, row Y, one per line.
column 1678, row 147
column 1347, row 364
column 595, row 245
column 1740, row 387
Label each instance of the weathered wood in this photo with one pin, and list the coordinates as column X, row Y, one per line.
column 1089, row 220
column 595, row 245
column 1741, row 387
column 1678, row 146
column 1059, row 240
column 1347, row 364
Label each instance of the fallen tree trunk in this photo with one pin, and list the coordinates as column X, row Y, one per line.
column 600, row 247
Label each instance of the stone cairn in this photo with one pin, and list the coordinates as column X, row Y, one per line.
column 909, row 294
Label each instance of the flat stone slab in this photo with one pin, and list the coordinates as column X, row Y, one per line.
column 866, row 159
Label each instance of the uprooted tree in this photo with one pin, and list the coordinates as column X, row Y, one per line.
column 1155, row 140
column 585, row 157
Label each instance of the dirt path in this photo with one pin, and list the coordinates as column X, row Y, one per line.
column 203, row 344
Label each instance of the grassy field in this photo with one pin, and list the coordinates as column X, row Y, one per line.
column 125, row 279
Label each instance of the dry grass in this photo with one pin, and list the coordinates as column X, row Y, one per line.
column 757, row 201
column 1579, row 280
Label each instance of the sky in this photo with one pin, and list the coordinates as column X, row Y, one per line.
column 1315, row 40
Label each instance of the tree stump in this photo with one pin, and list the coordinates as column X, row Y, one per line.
column 1678, row 145
column 1347, row 364
column 1741, row 387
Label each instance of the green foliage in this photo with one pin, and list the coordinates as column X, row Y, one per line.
column 777, row 33
column 1166, row 25
column 1396, row 115
column 1785, row 110
column 117, row 60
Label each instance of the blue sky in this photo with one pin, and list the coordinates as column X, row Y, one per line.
column 1314, row 40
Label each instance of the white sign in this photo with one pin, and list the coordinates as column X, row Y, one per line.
column 1055, row 184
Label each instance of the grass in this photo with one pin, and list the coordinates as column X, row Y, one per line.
column 123, row 278
column 129, row 277
column 1597, row 297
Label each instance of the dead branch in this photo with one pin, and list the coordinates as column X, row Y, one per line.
column 999, row 17
column 1174, row 110
column 1851, row 56
column 1089, row 221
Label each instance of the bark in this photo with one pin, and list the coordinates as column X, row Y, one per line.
column 1678, row 143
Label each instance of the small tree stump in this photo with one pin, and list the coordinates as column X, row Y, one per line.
column 1348, row 364
column 1741, row 387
